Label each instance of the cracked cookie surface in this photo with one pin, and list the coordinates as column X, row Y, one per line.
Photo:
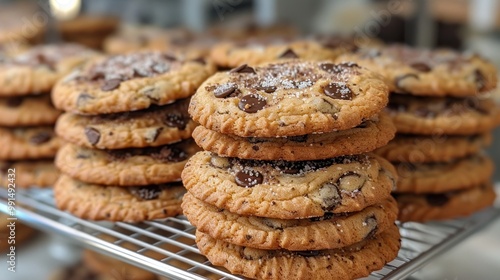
column 289, row 190
column 288, row 99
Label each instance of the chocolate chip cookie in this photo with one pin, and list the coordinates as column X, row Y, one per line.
column 33, row 110
column 288, row 98
column 126, row 167
column 328, row 232
column 428, row 72
column 369, row 135
column 28, row 143
column 444, row 206
column 438, row 148
column 111, row 203
column 437, row 177
column 254, row 52
column 38, row 69
column 155, row 126
column 289, row 190
column 353, row 262
column 32, row 173
column 443, row 115
column 130, row 82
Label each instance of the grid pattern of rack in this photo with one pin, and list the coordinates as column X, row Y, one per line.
column 167, row 247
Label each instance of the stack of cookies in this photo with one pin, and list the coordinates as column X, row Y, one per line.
column 285, row 188
column 129, row 133
column 27, row 116
column 443, row 119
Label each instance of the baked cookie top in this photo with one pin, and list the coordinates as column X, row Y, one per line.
column 288, row 98
column 39, row 68
column 130, row 82
column 443, row 115
column 428, row 72
column 289, row 190
column 152, row 127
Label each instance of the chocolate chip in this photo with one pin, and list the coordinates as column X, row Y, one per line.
column 401, row 78
column 172, row 58
column 371, row 222
column 300, row 138
column 13, row 102
column 252, row 103
column 82, row 99
column 93, row 135
column 337, row 68
column 330, row 196
column 349, row 64
column 225, row 90
column 328, row 67
column 175, row 120
column 248, row 178
column 244, row 68
column 146, row 193
column 338, row 91
column 289, row 53
column 308, row 253
column 424, row 112
column 437, row 199
column 480, row 80
column 421, row 66
column 363, row 124
column 200, row 60
column 255, row 148
column 41, row 137
column 111, row 84
column 268, row 89
column 171, row 154
column 94, row 76
column 327, row 216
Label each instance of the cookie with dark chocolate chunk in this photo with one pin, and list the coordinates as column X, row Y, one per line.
column 288, row 98
column 114, row 203
column 28, row 143
column 126, row 167
column 446, row 205
column 428, row 72
column 152, row 127
column 130, row 82
column 443, row 115
column 31, row 110
column 289, row 190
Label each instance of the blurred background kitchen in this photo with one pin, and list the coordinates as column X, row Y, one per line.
column 459, row 24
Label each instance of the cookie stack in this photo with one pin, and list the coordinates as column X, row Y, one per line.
column 285, row 188
column 129, row 133
column 443, row 119
column 27, row 116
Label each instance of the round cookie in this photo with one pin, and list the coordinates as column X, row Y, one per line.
column 289, row 190
column 126, row 167
column 443, row 176
column 353, row 262
column 328, row 232
column 38, row 69
column 428, row 72
column 130, row 82
column 112, row 203
column 33, row 173
column 444, row 206
column 28, row 143
column 426, row 149
column 31, row 110
column 369, row 135
column 233, row 54
column 151, row 127
column 443, row 115
column 288, row 98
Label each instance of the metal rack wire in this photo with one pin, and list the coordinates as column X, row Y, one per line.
column 167, row 247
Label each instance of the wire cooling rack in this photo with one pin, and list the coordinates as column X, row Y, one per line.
column 166, row 247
